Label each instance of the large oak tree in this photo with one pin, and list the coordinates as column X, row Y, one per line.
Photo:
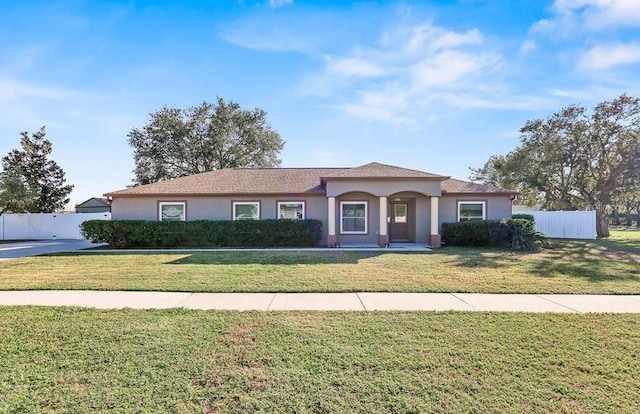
column 30, row 181
column 574, row 159
column 179, row 142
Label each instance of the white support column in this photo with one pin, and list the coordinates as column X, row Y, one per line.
column 434, row 236
column 383, row 216
column 383, row 237
column 332, row 240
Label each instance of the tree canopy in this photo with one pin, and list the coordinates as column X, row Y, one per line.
column 179, row 142
column 574, row 160
column 30, row 182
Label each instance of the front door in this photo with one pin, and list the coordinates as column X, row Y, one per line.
column 399, row 222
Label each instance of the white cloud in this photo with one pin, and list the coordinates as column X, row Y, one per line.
column 571, row 16
column 353, row 67
column 607, row 56
column 401, row 70
column 451, row 68
column 386, row 104
column 400, row 77
column 279, row 3
column 432, row 38
column 528, row 46
column 13, row 90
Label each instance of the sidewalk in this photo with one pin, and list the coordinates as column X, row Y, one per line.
column 365, row 301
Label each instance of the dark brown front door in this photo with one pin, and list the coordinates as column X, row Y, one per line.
column 399, row 218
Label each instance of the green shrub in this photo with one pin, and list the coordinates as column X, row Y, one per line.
column 517, row 234
column 524, row 217
column 203, row 233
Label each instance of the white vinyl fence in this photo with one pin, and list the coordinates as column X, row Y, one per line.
column 42, row 226
column 565, row 224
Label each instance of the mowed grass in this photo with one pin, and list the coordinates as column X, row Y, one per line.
column 81, row 360
column 569, row 266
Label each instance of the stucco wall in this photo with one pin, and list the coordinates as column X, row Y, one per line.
column 211, row 208
column 382, row 188
column 373, row 214
column 220, row 208
column 498, row 206
column 214, row 208
column 421, row 215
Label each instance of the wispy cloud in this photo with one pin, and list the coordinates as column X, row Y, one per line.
column 610, row 55
column 353, row 67
column 279, row 3
column 404, row 73
column 14, row 90
column 402, row 67
column 528, row 46
column 570, row 16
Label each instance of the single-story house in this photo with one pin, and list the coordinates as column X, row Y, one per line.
column 371, row 204
column 94, row 205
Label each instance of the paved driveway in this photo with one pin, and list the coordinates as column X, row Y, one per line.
column 34, row 248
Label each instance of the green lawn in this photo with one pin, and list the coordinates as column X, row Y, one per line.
column 570, row 266
column 80, row 360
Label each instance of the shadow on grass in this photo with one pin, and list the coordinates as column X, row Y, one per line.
column 599, row 260
column 282, row 257
column 486, row 258
column 603, row 260
column 279, row 257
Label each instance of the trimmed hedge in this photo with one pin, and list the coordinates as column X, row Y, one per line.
column 523, row 217
column 123, row 234
column 517, row 234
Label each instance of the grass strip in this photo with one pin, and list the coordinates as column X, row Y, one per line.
column 569, row 266
column 80, row 360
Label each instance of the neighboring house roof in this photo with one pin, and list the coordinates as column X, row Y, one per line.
column 246, row 181
column 453, row 186
column 377, row 170
column 94, row 201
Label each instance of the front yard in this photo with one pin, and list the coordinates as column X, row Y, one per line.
column 570, row 266
column 62, row 359
column 81, row 360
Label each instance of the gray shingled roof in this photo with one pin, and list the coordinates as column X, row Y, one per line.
column 453, row 186
column 239, row 181
column 232, row 181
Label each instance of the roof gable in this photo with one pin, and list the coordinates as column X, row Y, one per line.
column 378, row 170
column 94, row 202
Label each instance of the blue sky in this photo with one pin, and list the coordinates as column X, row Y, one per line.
column 437, row 86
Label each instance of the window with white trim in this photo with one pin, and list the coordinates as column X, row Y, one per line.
column 293, row 210
column 172, row 211
column 246, row 210
column 353, row 217
column 472, row 210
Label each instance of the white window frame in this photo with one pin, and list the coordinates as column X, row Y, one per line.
column 301, row 203
column 244, row 203
column 366, row 217
column 172, row 203
column 482, row 203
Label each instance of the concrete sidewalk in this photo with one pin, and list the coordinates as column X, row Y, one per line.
column 365, row 301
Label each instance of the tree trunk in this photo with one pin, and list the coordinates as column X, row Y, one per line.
column 602, row 226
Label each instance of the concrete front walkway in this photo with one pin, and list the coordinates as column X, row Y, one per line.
column 365, row 301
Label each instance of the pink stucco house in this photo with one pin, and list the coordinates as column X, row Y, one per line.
column 372, row 203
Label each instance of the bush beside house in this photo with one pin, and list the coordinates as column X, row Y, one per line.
column 517, row 234
column 124, row 234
